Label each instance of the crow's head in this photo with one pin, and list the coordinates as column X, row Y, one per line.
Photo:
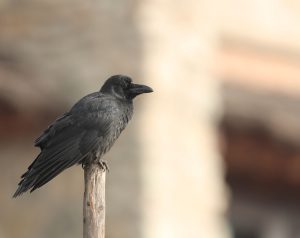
column 121, row 86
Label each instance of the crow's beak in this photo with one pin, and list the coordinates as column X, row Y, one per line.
column 137, row 89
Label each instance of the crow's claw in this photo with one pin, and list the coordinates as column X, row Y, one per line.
column 103, row 165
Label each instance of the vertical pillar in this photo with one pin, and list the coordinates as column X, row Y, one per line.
column 182, row 174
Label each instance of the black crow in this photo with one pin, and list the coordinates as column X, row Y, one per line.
column 83, row 134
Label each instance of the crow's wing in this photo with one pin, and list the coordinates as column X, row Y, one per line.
column 58, row 125
column 65, row 143
column 89, row 112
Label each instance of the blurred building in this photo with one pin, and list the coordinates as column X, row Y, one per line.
column 166, row 175
column 231, row 68
column 259, row 66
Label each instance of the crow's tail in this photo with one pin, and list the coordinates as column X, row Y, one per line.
column 49, row 163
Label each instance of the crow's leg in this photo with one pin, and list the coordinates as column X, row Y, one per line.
column 89, row 159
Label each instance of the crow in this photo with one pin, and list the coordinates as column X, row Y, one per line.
column 84, row 133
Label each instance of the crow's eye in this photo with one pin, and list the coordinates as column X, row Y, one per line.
column 127, row 83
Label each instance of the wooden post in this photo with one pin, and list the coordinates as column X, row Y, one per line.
column 94, row 202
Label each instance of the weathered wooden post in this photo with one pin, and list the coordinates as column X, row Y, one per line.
column 94, row 202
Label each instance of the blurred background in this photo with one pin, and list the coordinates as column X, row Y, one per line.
column 212, row 153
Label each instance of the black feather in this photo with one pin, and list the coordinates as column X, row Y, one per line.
column 87, row 131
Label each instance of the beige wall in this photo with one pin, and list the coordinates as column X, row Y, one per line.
column 272, row 22
column 183, row 190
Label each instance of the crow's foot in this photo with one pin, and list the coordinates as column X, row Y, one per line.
column 103, row 165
